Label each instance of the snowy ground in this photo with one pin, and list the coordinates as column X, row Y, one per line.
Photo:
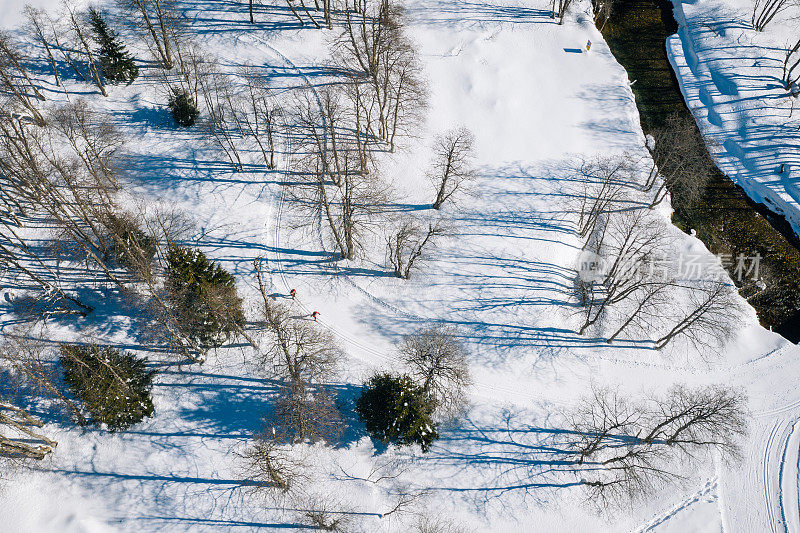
column 731, row 76
column 538, row 104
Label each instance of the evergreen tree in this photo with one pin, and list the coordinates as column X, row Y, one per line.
column 203, row 297
column 396, row 410
column 115, row 61
column 114, row 386
column 183, row 108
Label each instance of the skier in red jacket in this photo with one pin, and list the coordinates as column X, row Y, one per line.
column 314, row 315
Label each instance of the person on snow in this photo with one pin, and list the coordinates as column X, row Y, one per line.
column 293, row 293
column 314, row 315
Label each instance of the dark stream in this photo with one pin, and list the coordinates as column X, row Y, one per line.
column 725, row 219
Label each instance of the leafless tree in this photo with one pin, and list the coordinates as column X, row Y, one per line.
column 604, row 184
column 374, row 49
column 628, row 244
column 601, row 10
column 16, row 257
column 765, row 10
column 325, row 512
column 712, row 312
column 626, row 448
column 17, row 90
column 790, row 63
column 271, row 467
column 307, row 414
column 67, row 173
column 307, row 11
column 27, row 356
column 40, row 30
column 78, row 25
column 646, row 306
column 679, row 156
column 224, row 116
column 297, row 350
column 19, row 438
column 406, row 246
column 61, row 33
column 438, row 361
column 161, row 23
column 559, row 10
column 452, row 165
column 341, row 182
column 261, row 117
column 430, row 523
column 303, row 357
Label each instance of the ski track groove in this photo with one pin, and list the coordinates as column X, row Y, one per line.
column 708, row 489
column 776, row 524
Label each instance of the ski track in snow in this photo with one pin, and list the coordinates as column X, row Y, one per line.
column 706, row 493
column 780, row 476
column 780, row 481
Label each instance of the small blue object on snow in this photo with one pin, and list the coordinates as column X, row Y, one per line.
column 588, row 45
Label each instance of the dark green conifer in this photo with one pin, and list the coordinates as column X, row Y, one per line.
column 115, row 62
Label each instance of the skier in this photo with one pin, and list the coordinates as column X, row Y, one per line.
column 314, row 315
column 293, row 293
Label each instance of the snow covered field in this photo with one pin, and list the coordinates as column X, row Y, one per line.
column 731, row 78
column 538, row 105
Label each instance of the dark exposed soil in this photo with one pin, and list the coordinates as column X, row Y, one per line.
column 725, row 219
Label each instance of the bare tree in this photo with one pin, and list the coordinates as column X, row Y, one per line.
column 790, row 63
column 300, row 415
column 712, row 313
column 59, row 29
column 27, row 356
column 67, row 173
column 78, row 25
column 18, row 437
column 559, row 9
column 680, row 158
column 406, row 246
column 297, row 350
column 602, row 10
column 376, row 53
column 261, row 116
column 341, row 183
column 765, row 10
column 223, row 117
column 17, row 90
column 438, row 361
column 160, row 21
column 271, row 467
column 17, row 257
column 604, row 183
column 303, row 357
column 430, row 523
column 452, row 164
column 626, row 448
column 627, row 244
column 39, row 29
column 325, row 512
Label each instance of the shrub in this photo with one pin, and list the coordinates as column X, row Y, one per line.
column 113, row 386
column 396, row 410
column 203, row 297
column 128, row 244
column 303, row 415
column 438, row 361
column 183, row 108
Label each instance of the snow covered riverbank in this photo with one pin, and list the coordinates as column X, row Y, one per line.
column 539, row 105
column 731, row 78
